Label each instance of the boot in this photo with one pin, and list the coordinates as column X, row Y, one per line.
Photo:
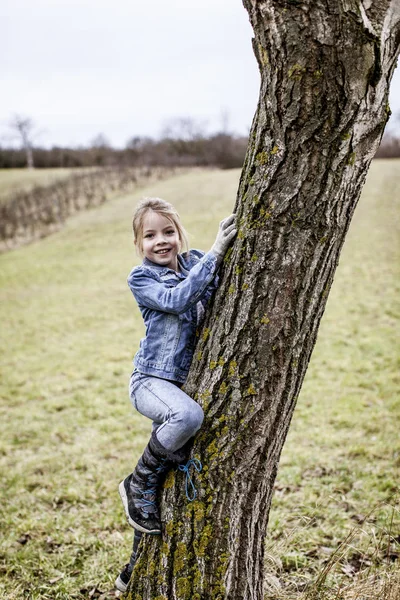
column 122, row 581
column 139, row 490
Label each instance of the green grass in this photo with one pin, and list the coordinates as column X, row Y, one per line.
column 16, row 180
column 68, row 434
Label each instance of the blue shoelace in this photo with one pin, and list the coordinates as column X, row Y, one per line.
column 189, row 485
column 152, row 491
column 145, row 503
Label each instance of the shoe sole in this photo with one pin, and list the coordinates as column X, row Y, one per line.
column 120, row 585
column 132, row 523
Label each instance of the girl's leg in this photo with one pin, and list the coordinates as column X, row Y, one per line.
column 177, row 416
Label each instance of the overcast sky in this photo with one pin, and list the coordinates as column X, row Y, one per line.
column 127, row 67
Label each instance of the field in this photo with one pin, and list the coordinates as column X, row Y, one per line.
column 12, row 180
column 68, row 433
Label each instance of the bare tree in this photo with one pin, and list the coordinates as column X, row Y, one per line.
column 24, row 127
column 224, row 119
column 184, row 128
column 100, row 141
column 325, row 74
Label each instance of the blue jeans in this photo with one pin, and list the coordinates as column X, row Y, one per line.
column 176, row 417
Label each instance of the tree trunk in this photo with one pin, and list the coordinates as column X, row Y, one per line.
column 325, row 74
column 29, row 156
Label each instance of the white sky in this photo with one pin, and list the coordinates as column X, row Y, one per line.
column 127, row 67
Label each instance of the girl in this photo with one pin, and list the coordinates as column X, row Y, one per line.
column 172, row 291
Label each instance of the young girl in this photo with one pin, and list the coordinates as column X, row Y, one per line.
column 172, row 291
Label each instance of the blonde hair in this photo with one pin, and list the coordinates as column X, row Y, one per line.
column 163, row 208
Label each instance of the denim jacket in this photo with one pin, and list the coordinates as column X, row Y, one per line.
column 172, row 305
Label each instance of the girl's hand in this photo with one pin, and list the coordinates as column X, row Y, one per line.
column 226, row 233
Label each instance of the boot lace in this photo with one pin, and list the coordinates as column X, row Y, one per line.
column 190, row 489
column 148, row 503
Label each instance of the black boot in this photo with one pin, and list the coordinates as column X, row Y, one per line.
column 121, row 583
column 139, row 490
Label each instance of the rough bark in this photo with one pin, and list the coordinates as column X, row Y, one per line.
column 325, row 73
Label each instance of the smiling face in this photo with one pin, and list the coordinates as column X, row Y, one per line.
column 161, row 242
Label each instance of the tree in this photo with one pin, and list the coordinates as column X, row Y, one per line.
column 183, row 129
column 24, row 128
column 325, row 73
column 100, row 142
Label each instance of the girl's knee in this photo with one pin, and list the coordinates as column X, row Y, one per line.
column 193, row 419
column 199, row 417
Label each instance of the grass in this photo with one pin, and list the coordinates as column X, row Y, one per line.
column 17, row 180
column 68, row 434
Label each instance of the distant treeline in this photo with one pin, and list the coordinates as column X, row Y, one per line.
column 389, row 148
column 221, row 150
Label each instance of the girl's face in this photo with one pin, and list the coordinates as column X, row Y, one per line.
column 161, row 242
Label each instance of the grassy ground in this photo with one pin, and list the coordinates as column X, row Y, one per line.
column 13, row 180
column 68, row 434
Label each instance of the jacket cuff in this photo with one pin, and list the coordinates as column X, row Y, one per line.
column 212, row 261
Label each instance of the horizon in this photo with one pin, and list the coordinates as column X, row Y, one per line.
column 128, row 69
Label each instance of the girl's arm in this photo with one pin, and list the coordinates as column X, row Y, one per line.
column 176, row 300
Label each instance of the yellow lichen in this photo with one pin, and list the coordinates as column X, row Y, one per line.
column 165, row 549
column 262, row 52
column 212, row 450
column 352, row 159
column 198, row 510
column 205, row 395
column 180, row 555
column 223, row 388
column 170, row 528
column 227, row 256
column 232, row 368
column 170, row 480
column 296, row 72
column 183, row 588
column 205, row 335
column 262, row 157
column 204, row 541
